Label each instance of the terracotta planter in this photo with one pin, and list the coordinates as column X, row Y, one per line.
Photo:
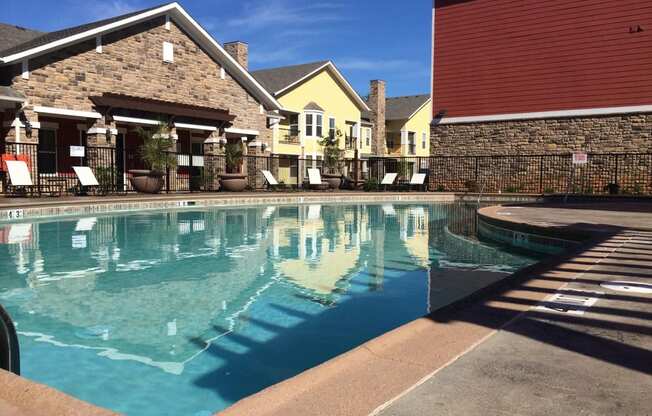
column 146, row 181
column 233, row 182
column 334, row 181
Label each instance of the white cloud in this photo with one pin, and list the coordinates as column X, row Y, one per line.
column 362, row 64
column 100, row 9
column 284, row 14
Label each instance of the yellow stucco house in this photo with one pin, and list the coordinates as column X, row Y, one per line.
column 407, row 125
column 317, row 102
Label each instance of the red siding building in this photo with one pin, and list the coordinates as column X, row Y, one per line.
column 553, row 75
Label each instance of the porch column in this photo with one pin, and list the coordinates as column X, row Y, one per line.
column 214, row 160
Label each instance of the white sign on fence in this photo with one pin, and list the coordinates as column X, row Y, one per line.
column 580, row 158
column 77, row 151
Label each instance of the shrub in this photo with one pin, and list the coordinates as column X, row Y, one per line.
column 371, row 184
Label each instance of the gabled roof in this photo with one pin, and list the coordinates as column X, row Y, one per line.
column 11, row 35
column 277, row 79
column 313, row 106
column 402, row 108
column 280, row 80
column 45, row 38
column 62, row 38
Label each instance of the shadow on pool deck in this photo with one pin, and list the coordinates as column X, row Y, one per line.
column 551, row 362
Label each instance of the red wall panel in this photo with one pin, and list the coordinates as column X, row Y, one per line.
column 516, row 56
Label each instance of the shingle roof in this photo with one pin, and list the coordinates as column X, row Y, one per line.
column 11, row 35
column 313, row 106
column 39, row 39
column 400, row 108
column 276, row 79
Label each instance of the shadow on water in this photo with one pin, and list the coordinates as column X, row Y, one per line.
column 250, row 365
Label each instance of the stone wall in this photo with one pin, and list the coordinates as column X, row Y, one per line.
column 535, row 155
column 131, row 63
column 607, row 134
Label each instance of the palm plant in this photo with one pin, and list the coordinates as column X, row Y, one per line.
column 332, row 153
column 155, row 150
column 233, row 156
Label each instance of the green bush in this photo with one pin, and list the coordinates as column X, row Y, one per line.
column 370, row 185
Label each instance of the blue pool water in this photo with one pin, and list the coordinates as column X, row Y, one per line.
column 186, row 312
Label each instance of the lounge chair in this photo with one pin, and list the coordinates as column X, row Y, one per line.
column 19, row 176
column 270, row 179
column 314, row 179
column 86, row 177
column 388, row 180
column 418, row 179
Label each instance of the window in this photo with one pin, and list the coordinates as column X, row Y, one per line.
column 47, row 151
column 319, row 125
column 367, row 132
column 423, row 140
column 294, row 125
column 331, row 128
column 168, row 52
column 309, row 125
column 314, row 125
column 411, row 143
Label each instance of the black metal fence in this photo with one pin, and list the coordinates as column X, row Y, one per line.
column 625, row 173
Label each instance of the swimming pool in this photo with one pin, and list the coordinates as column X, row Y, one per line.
column 185, row 312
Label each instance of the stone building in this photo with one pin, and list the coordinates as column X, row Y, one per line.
column 92, row 85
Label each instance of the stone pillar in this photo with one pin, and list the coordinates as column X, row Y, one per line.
column 240, row 51
column 214, row 164
column 377, row 103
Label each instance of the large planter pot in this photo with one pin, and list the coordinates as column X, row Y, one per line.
column 334, row 181
column 146, row 181
column 233, row 182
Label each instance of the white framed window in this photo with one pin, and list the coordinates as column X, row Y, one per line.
column 423, row 140
column 331, row 128
column 367, row 132
column 314, row 125
column 168, row 52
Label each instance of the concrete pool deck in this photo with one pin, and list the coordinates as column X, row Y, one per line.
column 594, row 361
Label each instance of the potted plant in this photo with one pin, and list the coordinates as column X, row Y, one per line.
column 233, row 180
column 332, row 160
column 156, row 155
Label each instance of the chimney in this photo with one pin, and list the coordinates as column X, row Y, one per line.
column 240, row 51
column 377, row 102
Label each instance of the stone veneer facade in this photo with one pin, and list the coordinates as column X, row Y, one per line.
column 131, row 62
column 604, row 134
column 518, row 142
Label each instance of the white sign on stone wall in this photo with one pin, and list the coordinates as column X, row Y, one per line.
column 580, row 158
column 77, row 151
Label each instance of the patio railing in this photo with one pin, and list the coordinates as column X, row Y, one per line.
column 603, row 173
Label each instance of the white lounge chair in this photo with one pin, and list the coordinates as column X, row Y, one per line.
column 86, row 178
column 19, row 176
column 389, row 179
column 418, row 179
column 314, row 179
column 270, row 179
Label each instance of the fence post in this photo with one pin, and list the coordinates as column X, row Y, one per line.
column 356, row 169
column 167, row 178
column 541, row 174
column 616, row 170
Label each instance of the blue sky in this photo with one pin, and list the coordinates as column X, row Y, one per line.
column 367, row 39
